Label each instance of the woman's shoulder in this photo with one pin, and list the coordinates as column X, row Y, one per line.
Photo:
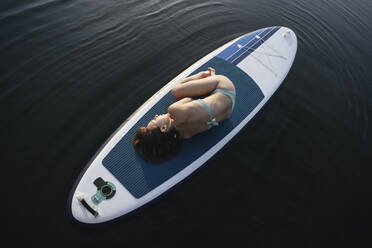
column 178, row 110
column 184, row 113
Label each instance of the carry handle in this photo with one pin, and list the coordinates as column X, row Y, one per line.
column 86, row 205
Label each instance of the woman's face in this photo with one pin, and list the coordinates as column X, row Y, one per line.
column 160, row 121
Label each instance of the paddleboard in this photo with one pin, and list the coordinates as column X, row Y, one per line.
column 118, row 181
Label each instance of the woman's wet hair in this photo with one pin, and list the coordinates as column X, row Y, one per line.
column 156, row 146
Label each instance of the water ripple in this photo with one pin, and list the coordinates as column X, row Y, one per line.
column 72, row 71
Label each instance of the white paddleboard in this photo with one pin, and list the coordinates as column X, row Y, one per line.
column 117, row 180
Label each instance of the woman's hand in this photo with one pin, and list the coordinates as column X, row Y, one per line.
column 212, row 71
column 200, row 75
column 204, row 74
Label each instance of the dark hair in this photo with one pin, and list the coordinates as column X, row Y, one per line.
column 156, row 146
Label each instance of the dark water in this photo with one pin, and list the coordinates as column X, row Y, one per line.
column 297, row 176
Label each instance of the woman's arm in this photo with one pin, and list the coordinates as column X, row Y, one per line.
column 193, row 77
column 195, row 88
column 200, row 75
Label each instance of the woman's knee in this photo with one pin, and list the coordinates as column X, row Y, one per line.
column 176, row 92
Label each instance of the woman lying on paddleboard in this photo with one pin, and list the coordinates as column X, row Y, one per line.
column 161, row 138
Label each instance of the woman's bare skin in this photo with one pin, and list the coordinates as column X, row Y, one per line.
column 187, row 114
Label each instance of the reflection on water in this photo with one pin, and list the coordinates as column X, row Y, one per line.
column 72, row 71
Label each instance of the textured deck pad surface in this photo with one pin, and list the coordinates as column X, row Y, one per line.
column 140, row 177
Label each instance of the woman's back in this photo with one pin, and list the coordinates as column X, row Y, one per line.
column 197, row 116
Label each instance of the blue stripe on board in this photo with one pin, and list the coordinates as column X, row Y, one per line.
column 235, row 55
column 247, row 48
column 140, row 177
column 226, row 53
